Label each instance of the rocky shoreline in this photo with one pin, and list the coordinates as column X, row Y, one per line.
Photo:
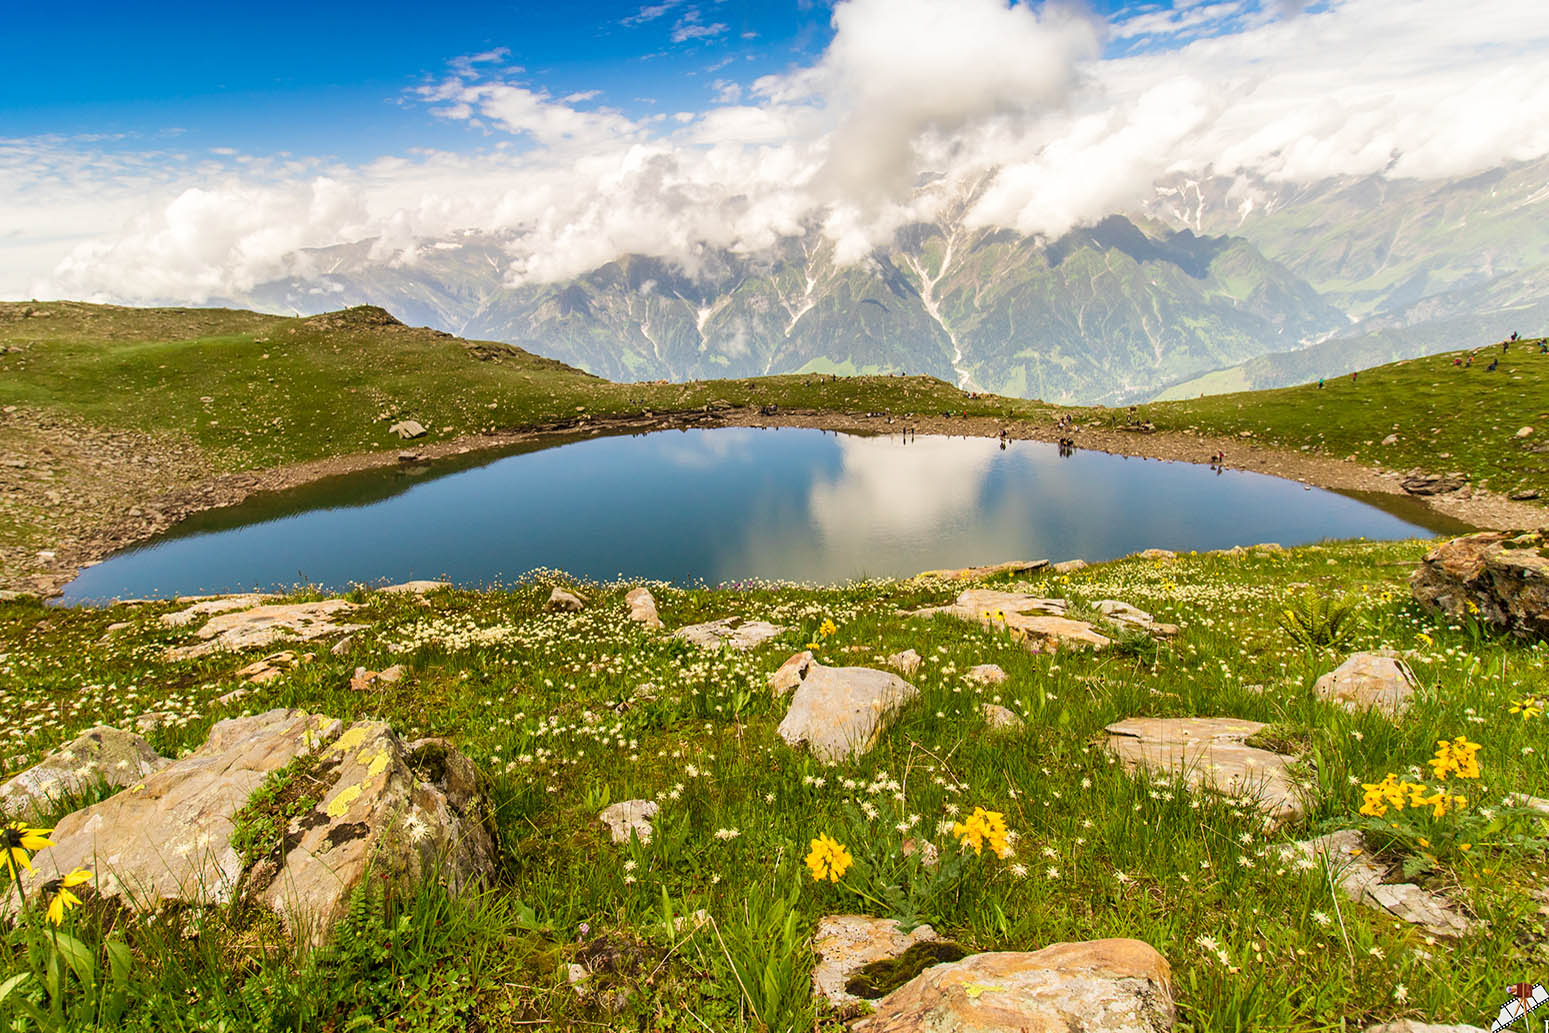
column 98, row 521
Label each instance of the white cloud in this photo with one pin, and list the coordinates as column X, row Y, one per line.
column 981, row 91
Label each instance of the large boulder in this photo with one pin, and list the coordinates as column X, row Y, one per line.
column 1418, row 482
column 1369, row 681
column 169, row 836
column 1101, row 986
column 1041, row 623
column 259, row 626
column 98, row 756
column 1209, row 753
column 392, row 813
column 1499, row 577
column 378, row 809
column 840, row 711
column 642, row 607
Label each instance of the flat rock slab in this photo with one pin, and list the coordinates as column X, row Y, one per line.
column 986, row 674
column 845, row 944
column 981, row 573
column 839, row 712
column 1041, row 621
column 415, row 587
column 1411, row 1026
column 1359, row 877
column 1101, row 986
column 169, row 837
column 1369, row 681
column 1209, row 753
column 261, row 672
column 730, row 633
column 102, row 754
column 261, row 626
column 395, row 813
column 629, row 818
column 642, row 607
column 209, row 607
column 1498, row 577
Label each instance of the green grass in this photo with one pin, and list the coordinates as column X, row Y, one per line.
column 551, row 708
column 1446, row 417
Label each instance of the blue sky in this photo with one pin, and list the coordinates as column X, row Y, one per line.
column 330, row 79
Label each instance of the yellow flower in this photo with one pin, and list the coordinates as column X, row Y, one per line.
column 1458, row 757
column 828, row 859
column 983, row 827
column 827, row 628
column 1473, row 607
column 1528, row 708
column 62, row 899
column 1423, row 637
column 17, row 841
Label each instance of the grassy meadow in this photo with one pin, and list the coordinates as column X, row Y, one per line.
column 709, row 925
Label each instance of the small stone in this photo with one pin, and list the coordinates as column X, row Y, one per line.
column 631, row 817
column 986, row 674
column 908, row 661
column 1156, row 554
column 407, row 429
column 845, row 944
column 1391, row 439
column 563, row 601
column 1524, row 432
column 1360, row 878
column 999, row 718
column 642, row 607
column 343, row 646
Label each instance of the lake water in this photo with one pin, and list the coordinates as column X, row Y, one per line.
column 731, row 504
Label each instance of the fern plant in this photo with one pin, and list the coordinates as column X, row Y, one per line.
column 1318, row 621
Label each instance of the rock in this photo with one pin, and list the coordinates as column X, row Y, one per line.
column 1391, row 439
column 981, row 573
column 908, row 661
column 840, row 711
column 1070, row 566
column 1412, row 1026
column 790, row 673
column 1039, row 622
column 100, row 755
column 730, row 632
column 407, row 429
column 845, row 944
column 391, row 674
column 1360, row 877
column 1156, row 554
column 264, row 625
column 117, row 626
column 1524, row 432
column 343, row 646
column 1101, row 986
column 1532, row 803
column 642, row 607
column 235, row 695
column 986, row 674
column 999, row 718
column 1504, row 575
column 563, row 601
column 154, row 719
column 630, row 817
column 415, row 587
column 261, row 672
column 394, row 813
column 1417, row 482
column 209, row 607
column 1369, row 681
column 1526, row 495
column 408, row 457
column 1209, row 753
column 169, row 836
column 1124, row 615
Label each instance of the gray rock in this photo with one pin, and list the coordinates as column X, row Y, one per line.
column 1124, row 615
column 1360, row 878
column 631, row 817
column 415, row 587
column 1369, row 681
column 642, row 607
column 1039, row 623
column 407, row 429
column 839, row 712
column 986, row 674
column 729, row 632
column 1102, row 986
column 568, row 602
column 908, row 661
column 264, row 625
column 1209, row 753
column 790, row 673
column 999, row 718
column 845, row 944
column 1070, row 566
column 1417, row 482
column 1498, row 577
column 102, row 755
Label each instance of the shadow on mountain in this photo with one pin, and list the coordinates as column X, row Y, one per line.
column 1183, row 249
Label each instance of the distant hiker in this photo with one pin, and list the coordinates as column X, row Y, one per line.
column 1320, row 383
column 1513, row 335
column 1494, row 364
column 1543, row 346
column 1504, row 346
column 1457, row 360
column 1352, row 378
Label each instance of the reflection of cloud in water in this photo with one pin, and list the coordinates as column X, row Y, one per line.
column 889, row 489
column 697, row 450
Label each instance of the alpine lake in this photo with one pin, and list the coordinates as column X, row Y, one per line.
column 730, row 505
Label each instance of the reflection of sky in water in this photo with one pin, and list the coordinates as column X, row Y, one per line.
column 736, row 503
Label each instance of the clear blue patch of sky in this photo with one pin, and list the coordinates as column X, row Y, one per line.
column 332, row 79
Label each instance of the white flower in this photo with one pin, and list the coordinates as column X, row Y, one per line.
column 727, row 833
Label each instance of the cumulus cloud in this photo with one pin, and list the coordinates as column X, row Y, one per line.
column 1016, row 102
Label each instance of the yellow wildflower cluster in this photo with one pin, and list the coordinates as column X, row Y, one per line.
column 828, row 859
column 1391, row 793
column 1529, row 708
column 827, row 628
column 984, row 827
column 1458, row 757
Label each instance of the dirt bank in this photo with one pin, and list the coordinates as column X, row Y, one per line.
column 100, row 496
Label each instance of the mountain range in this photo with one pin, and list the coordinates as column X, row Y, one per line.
column 1214, row 284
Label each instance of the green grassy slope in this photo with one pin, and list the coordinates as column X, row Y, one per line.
column 1446, row 417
